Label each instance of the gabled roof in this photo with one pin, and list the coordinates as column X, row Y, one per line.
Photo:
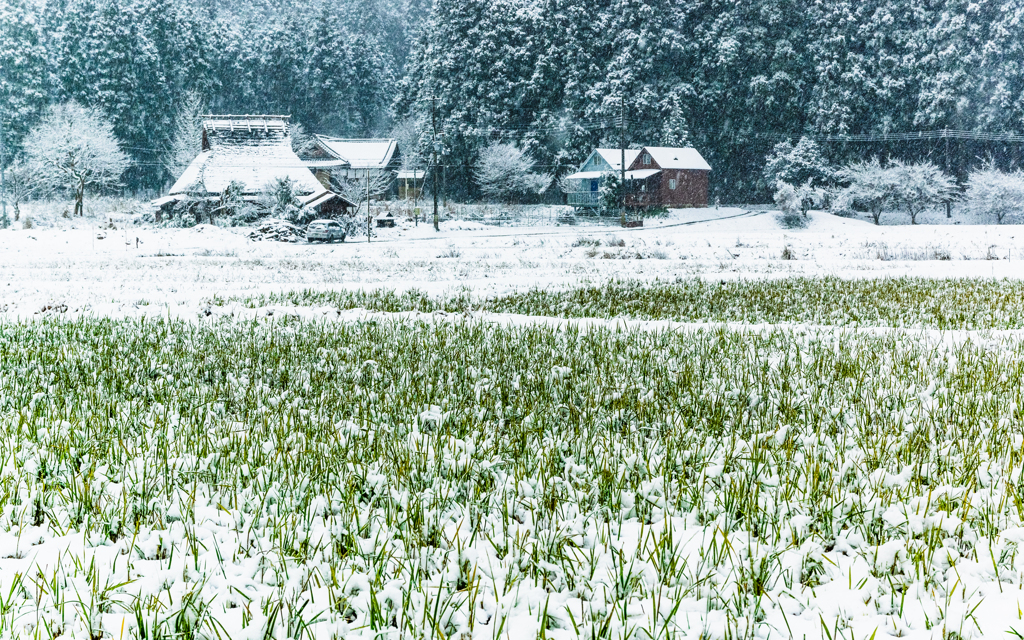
column 678, row 158
column 317, row 199
column 614, row 157
column 369, row 153
column 253, row 150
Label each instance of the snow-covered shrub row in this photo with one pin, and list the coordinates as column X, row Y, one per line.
column 891, row 302
column 386, row 479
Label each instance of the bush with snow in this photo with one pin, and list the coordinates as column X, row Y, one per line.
column 802, row 164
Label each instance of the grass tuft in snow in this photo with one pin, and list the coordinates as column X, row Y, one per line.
column 898, row 302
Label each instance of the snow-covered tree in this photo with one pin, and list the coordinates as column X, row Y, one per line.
column 74, row 147
column 995, row 193
column 22, row 184
column 108, row 61
column 187, row 140
column 232, row 204
column 23, row 74
column 919, row 186
column 798, row 165
column 279, row 200
column 793, row 199
column 302, row 141
column 611, row 193
column 676, row 132
column 869, row 185
column 373, row 183
column 505, row 172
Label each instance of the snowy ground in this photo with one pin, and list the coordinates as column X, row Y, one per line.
column 906, row 443
column 88, row 267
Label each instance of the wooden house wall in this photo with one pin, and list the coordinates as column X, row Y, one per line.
column 691, row 188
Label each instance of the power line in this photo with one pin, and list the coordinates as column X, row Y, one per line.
column 909, row 136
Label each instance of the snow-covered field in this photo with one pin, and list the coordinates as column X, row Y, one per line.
column 104, row 271
column 182, row 457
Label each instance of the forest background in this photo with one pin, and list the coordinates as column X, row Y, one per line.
column 555, row 77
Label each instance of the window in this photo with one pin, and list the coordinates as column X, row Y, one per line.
column 672, row 184
column 647, row 158
column 593, row 185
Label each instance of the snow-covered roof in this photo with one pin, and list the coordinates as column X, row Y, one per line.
column 678, row 158
column 411, row 174
column 159, row 202
column 326, row 164
column 318, row 199
column 367, row 153
column 585, row 175
column 614, row 157
column 253, row 150
column 641, row 174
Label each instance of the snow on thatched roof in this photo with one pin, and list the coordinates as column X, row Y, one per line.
column 253, row 150
column 369, row 153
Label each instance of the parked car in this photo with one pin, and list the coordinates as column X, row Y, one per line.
column 325, row 231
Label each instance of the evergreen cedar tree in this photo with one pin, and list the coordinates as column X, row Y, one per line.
column 545, row 75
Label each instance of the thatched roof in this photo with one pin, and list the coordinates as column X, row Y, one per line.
column 253, row 150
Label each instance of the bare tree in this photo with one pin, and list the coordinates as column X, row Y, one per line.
column 993, row 192
column 22, row 184
column 504, row 171
column 187, row 141
column 375, row 182
column 919, row 186
column 869, row 185
column 74, row 148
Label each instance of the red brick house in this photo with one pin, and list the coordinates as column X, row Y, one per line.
column 667, row 177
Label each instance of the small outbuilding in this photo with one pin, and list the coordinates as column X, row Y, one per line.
column 410, row 183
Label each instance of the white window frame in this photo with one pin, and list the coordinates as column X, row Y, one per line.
column 672, row 184
column 647, row 158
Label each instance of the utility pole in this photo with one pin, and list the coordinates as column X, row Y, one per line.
column 369, row 218
column 949, row 207
column 3, row 169
column 433, row 147
column 622, row 157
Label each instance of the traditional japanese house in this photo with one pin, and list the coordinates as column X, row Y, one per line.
column 250, row 152
column 338, row 160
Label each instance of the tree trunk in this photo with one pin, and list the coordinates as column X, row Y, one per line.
column 17, row 211
column 80, row 200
